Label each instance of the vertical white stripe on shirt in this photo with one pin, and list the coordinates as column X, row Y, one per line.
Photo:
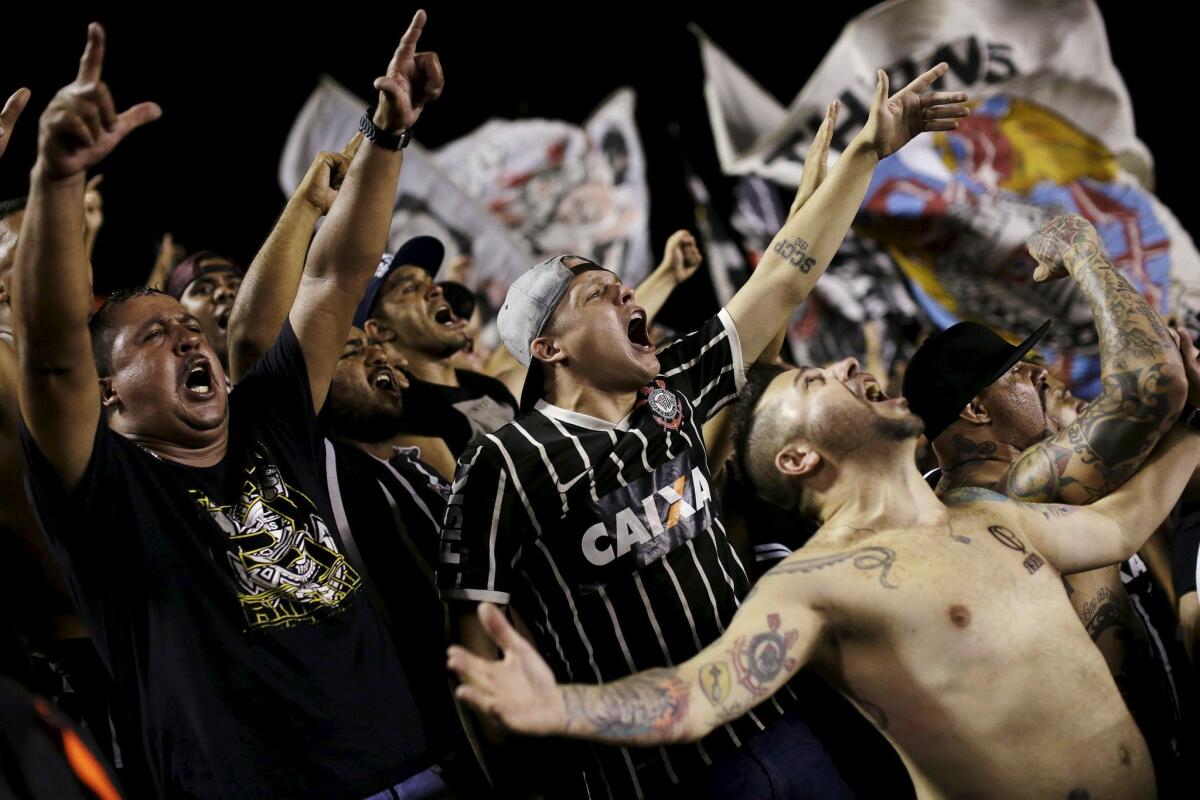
column 662, row 644
column 516, row 479
column 616, row 460
column 732, row 550
column 491, row 579
column 583, row 637
column 728, row 580
column 457, row 485
column 587, row 463
column 408, row 487
column 612, row 615
column 687, row 612
column 645, row 449
column 549, row 626
column 562, row 496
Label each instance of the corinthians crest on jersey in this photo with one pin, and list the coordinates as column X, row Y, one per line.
column 664, row 405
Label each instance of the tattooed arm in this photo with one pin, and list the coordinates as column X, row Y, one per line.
column 771, row 637
column 1077, row 539
column 805, row 245
column 1141, row 370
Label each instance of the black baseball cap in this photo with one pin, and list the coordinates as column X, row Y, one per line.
column 953, row 366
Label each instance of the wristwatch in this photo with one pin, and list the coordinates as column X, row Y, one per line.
column 380, row 137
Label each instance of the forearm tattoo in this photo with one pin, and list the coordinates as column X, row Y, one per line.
column 756, row 663
column 1118, row 430
column 796, row 253
column 1112, row 437
column 650, row 706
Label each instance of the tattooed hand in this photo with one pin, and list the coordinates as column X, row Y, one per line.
column 519, row 690
column 895, row 121
column 1051, row 245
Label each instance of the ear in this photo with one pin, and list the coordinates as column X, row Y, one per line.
column 108, row 395
column 797, row 462
column 976, row 413
column 378, row 329
column 546, row 350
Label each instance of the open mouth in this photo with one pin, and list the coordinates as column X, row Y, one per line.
column 388, row 381
column 872, row 393
column 199, row 381
column 445, row 317
column 223, row 318
column 639, row 337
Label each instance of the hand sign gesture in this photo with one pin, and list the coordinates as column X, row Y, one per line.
column 896, row 120
column 8, row 116
column 412, row 80
column 81, row 125
column 519, row 689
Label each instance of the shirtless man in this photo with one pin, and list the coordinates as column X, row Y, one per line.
column 943, row 619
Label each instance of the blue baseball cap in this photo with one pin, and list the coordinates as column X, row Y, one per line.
column 425, row 252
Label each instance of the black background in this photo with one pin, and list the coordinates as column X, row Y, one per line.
column 230, row 80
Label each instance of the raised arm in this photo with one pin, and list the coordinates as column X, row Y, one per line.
column 681, row 259
column 349, row 245
column 59, row 393
column 1110, row 530
column 772, row 636
column 1140, row 367
column 8, row 116
column 803, row 248
column 267, row 291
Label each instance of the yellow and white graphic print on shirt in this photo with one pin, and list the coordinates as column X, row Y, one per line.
column 285, row 562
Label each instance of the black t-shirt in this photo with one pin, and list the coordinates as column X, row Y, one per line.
column 480, row 404
column 608, row 542
column 223, row 604
column 389, row 514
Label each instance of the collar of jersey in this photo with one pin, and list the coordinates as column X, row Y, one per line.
column 581, row 420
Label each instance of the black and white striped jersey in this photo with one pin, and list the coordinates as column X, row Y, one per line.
column 607, row 541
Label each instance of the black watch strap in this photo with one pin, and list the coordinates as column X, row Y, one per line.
column 380, row 137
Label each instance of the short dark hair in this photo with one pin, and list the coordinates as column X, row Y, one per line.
column 104, row 329
column 12, row 206
column 755, row 434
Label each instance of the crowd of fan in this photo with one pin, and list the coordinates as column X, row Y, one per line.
column 248, row 511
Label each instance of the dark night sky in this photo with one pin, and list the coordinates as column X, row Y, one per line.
column 230, row 84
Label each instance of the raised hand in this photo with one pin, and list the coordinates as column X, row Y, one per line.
column 8, row 116
column 93, row 211
column 412, row 80
column 1053, row 242
column 816, row 163
column 519, row 689
column 895, row 121
column 81, row 125
column 325, row 175
column 681, row 256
